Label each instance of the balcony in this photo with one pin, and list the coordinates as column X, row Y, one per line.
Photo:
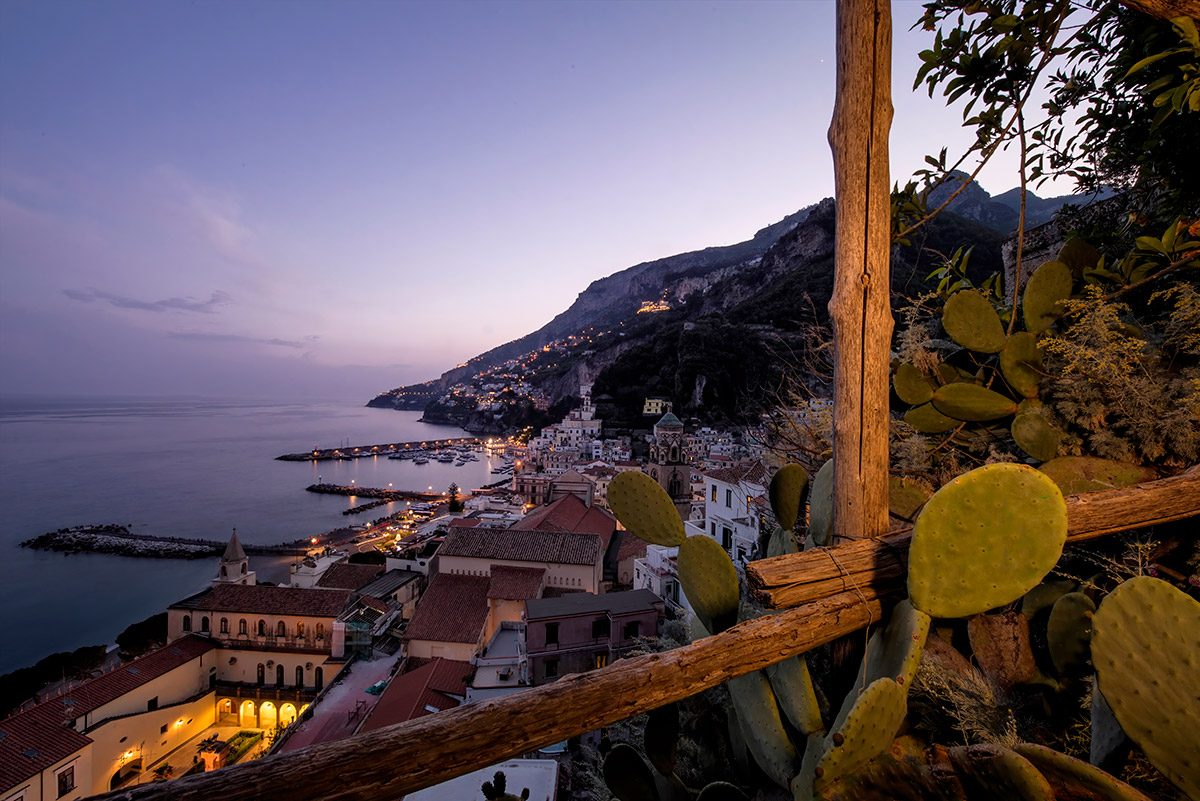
column 288, row 642
column 503, row 662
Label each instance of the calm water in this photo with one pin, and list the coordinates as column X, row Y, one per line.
column 176, row 467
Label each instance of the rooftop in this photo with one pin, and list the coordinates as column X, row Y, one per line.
column 345, row 576
column 438, row 684
column 542, row 547
column 267, row 600
column 453, row 609
column 752, row 472
column 388, row 583
column 516, row 583
column 570, row 514
column 33, row 740
column 583, row 603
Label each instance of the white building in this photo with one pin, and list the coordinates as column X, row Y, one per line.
column 733, row 499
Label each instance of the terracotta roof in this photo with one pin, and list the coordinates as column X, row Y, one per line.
column 631, row 547
column 571, row 514
column 599, row 471
column 465, row 522
column 542, row 547
column 32, row 741
column 750, row 472
column 433, row 684
column 636, row 465
column 453, row 609
column 267, row 600
column 345, row 576
column 516, row 583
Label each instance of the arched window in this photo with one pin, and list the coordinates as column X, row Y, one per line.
column 243, row 568
column 204, row 624
column 262, row 628
column 279, row 675
column 320, row 631
column 262, row 674
column 224, row 625
column 281, row 630
column 187, row 622
column 319, row 679
column 674, row 454
column 223, row 573
column 242, row 626
column 299, row 629
column 299, row 675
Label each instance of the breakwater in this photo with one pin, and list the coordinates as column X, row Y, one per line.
column 117, row 540
column 382, row 449
column 385, row 495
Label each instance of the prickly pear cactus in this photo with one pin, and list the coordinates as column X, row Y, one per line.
column 1044, row 595
column 721, row 791
column 1069, row 634
column 972, row 404
column 1146, row 649
column 1076, row 474
column 1069, row 775
column 993, row 771
column 794, row 688
column 984, row 540
column 781, row 542
column 928, row 420
column 710, row 582
column 1033, row 434
column 762, row 727
column 1109, row 745
column 1021, row 364
column 820, row 513
column 894, row 651
column 661, row 738
column 905, row 496
column 645, row 508
column 970, row 320
column 788, row 488
column 627, row 774
column 1048, row 287
column 1079, row 256
column 864, row 729
column 912, row 387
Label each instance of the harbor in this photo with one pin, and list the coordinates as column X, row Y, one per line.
column 390, row 449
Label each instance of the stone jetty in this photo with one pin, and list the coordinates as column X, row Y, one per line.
column 378, row 493
column 382, row 449
column 118, row 541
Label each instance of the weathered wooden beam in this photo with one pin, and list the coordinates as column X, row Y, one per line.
column 385, row 764
column 878, row 566
column 860, row 308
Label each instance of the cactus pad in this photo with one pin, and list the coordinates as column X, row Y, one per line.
column 710, row 582
column 645, row 508
column 661, row 738
column 721, row 791
column 1069, row 634
column 906, row 496
column 1044, row 595
column 929, row 420
column 1072, row 775
column 781, row 542
column 1079, row 256
column 985, row 539
column 1076, row 474
column 894, row 651
column 627, row 775
column 864, row 729
column 1048, row 287
column 1021, row 364
column 1109, row 745
column 954, row 375
column 820, row 511
column 993, row 771
column 972, row 403
column 911, row 387
column 787, row 491
column 762, row 727
column 1034, row 435
column 794, row 688
column 1146, row 648
column 970, row 320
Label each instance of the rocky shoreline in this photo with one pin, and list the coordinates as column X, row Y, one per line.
column 116, row 540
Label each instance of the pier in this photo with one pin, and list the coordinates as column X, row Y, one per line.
column 382, row 449
column 377, row 493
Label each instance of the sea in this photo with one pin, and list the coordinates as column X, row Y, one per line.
column 181, row 467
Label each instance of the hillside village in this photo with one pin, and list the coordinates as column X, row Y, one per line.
column 529, row 583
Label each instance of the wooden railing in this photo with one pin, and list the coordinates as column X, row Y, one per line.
column 385, row 764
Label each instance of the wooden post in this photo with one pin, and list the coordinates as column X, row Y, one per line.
column 860, row 308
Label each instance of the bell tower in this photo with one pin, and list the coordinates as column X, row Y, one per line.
column 235, row 565
column 667, row 465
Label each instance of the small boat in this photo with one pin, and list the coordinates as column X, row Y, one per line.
column 420, row 460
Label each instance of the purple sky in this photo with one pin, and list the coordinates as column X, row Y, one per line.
column 332, row 199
